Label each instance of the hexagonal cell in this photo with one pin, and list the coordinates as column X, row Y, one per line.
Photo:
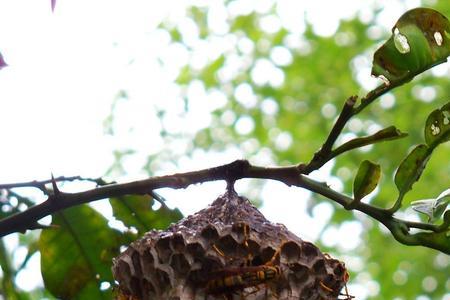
column 136, row 287
column 290, row 252
column 308, row 292
column 211, row 263
column 148, row 290
column 123, row 271
column 147, row 263
column 228, row 246
column 163, row 249
column 209, row 233
column 309, row 250
column 177, row 243
column 195, row 250
column 319, row 266
column 339, row 269
column 331, row 285
column 135, row 258
column 162, row 278
column 240, row 232
column 299, row 273
column 267, row 255
column 179, row 264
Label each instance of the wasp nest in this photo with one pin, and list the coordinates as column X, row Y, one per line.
column 227, row 251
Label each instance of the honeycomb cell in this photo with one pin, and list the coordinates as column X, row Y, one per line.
column 162, row 278
column 163, row 249
column 309, row 250
column 228, row 246
column 330, row 282
column 123, row 270
column 135, row 286
column 267, row 254
column 195, row 250
column 299, row 273
column 177, row 243
column 179, row 263
column 290, row 252
column 147, row 263
column 240, row 232
column 210, row 233
column 319, row 266
column 148, row 289
column 135, row 258
column 339, row 270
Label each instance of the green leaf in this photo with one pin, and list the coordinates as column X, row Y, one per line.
column 411, row 168
column 136, row 211
column 433, row 208
column 437, row 126
column 366, row 179
column 76, row 256
column 419, row 41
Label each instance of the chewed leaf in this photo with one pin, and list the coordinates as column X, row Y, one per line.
column 366, row 179
column 420, row 40
column 411, row 168
column 437, row 126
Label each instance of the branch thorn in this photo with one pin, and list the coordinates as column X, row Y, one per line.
column 56, row 190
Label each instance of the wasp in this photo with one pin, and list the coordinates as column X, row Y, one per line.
column 346, row 277
column 231, row 280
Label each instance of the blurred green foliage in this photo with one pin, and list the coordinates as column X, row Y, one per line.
column 288, row 87
column 320, row 72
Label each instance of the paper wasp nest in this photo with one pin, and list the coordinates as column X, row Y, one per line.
column 227, row 251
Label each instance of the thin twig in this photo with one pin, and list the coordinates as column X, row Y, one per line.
column 41, row 185
column 323, row 155
column 349, row 110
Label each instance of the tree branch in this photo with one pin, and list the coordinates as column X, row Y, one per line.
column 41, row 185
column 349, row 110
column 432, row 236
column 238, row 169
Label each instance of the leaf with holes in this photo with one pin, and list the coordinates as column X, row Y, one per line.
column 411, row 168
column 366, row 179
column 437, row 126
column 420, row 40
column 76, row 255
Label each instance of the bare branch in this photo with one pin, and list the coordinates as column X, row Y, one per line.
column 349, row 110
column 324, row 154
column 41, row 185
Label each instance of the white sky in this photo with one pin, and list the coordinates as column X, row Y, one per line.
column 66, row 68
